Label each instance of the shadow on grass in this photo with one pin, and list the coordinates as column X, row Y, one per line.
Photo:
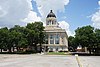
column 27, row 52
column 84, row 54
column 58, row 53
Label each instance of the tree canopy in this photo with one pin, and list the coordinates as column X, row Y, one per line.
column 86, row 36
column 30, row 36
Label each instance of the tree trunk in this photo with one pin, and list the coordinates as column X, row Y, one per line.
column 17, row 49
column 35, row 48
column 9, row 49
column 40, row 47
column 89, row 50
column 1, row 50
column 13, row 48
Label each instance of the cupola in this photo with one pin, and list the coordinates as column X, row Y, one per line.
column 51, row 19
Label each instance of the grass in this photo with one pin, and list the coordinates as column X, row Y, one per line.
column 58, row 53
column 20, row 52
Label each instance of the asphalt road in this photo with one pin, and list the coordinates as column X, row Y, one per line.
column 90, row 61
column 48, row 61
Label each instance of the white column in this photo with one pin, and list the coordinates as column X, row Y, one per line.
column 51, row 23
column 66, row 43
column 60, row 40
column 54, row 38
column 48, row 38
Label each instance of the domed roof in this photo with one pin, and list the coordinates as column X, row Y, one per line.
column 51, row 14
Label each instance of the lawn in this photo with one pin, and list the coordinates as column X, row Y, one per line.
column 58, row 53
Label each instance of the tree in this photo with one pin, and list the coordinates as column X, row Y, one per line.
column 4, row 34
column 85, row 37
column 36, row 34
column 97, row 40
column 18, row 37
column 39, row 29
column 22, row 37
column 71, row 43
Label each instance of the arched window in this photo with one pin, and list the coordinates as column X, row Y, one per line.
column 52, row 22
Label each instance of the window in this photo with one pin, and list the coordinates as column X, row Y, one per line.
column 51, row 39
column 46, row 39
column 62, row 40
column 57, row 39
column 49, row 22
column 53, row 23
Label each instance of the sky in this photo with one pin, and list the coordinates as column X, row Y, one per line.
column 70, row 14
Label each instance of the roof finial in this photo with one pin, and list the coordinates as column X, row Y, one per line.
column 50, row 11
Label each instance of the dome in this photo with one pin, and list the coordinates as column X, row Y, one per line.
column 51, row 14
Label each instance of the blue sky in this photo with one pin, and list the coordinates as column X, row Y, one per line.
column 71, row 14
column 77, row 13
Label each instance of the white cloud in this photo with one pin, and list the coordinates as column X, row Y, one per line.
column 32, row 17
column 65, row 25
column 13, row 12
column 99, row 2
column 19, row 12
column 96, row 18
column 44, row 6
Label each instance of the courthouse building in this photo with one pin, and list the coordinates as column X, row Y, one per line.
column 56, row 38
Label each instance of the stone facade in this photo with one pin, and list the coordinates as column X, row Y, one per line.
column 56, row 38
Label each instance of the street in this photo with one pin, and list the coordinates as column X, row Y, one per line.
column 34, row 60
